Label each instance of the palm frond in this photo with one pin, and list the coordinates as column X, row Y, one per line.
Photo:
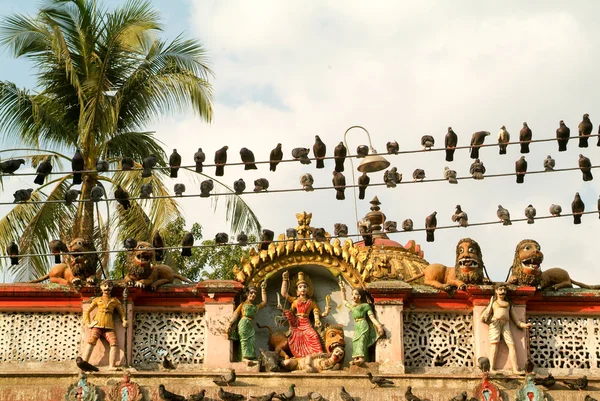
column 137, row 145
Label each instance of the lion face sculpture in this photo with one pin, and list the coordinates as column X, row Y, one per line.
column 141, row 261
column 526, row 264
column 83, row 265
column 469, row 261
column 334, row 336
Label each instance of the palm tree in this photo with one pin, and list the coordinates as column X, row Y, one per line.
column 102, row 75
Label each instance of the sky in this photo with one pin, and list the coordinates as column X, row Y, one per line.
column 287, row 71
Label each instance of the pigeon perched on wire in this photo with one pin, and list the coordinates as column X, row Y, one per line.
column 227, row 396
column 585, row 130
column 291, row 233
column 407, row 225
column 390, row 226
column 179, row 189
column 167, row 364
column 577, row 207
column 77, row 164
column 205, row 187
column 339, row 154
column 220, row 161
column 319, row 150
column 409, row 396
column 275, row 157
column 301, row 154
column 199, row 159
column 221, row 238
column 521, row 169
column 307, row 180
column 392, row 177
column 460, row 217
column 127, row 163
column 198, row 396
column 266, row 238
column 261, row 184
column 379, row 381
column 239, row 186
column 289, row 395
column 365, row 229
column 102, row 166
column 186, row 244
column 319, row 234
column 10, row 166
column 530, row 213
column 563, row 133
column 340, row 230
column 12, row 250
column 57, row 247
column 148, row 164
column 585, row 165
column 266, row 397
column 158, row 242
column 146, row 191
column 392, row 148
column 450, row 143
column 503, row 140
column 362, row 151
column 450, row 175
column 339, row 182
column 166, row 395
column 71, row 195
column 43, row 169
column 122, row 196
column 418, row 175
column 525, row 136
column 549, row 163
column 85, row 366
column 363, row 183
column 226, row 379
column 130, row 243
column 242, row 239
column 555, row 210
column 174, row 163
column 477, row 170
column 477, row 140
column 547, row 381
column 248, row 159
column 427, row 141
column 576, row 384
column 504, row 216
column 22, row 195
column 345, row 396
column 430, row 226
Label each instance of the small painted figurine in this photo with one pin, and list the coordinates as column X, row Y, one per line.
column 303, row 339
column 364, row 334
column 103, row 325
column 315, row 363
column 244, row 316
column 498, row 315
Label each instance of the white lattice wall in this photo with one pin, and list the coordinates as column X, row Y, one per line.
column 39, row 337
column 176, row 334
column 438, row 339
column 565, row 342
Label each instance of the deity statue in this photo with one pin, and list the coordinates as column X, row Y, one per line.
column 315, row 363
column 244, row 316
column 126, row 390
column 103, row 325
column 498, row 315
column 303, row 340
column 365, row 334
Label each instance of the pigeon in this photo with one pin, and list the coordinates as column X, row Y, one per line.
column 529, row 366
column 392, row 148
column 146, row 191
column 242, row 239
column 585, row 165
column 199, row 158
column 365, row 229
column 102, row 166
column 339, row 182
column 589, row 398
column 530, row 213
column 248, row 159
column 392, row 177
column 340, row 230
column 450, row 142
column 167, row 364
column 314, row 396
column 407, row 225
column 56, row 248
column 266, row 397
column 97, row 193
column 227, row 396
column 461, row 397
column 362, row 151
column 221, row 238
column 148, row 164
column 261, row 184
column 267, row 238
column 477, row 170
column 339, row 154
column 198, row 396
column 10, row 166
column 585, row 130
column 226, row 380
column 418, row 174
column 71, row 195
column 84, row 366
column 409, row 396
column 549, row 163
column 379, row 381
column 320, row 150
column 179, row 189
column 525, row 136
column 504, row 216
column 427, row 141
column 547, row 381
column 460, row 217
column 122, row 197
column 430, row 225
column 289, row 395
column 12, row 250
column 130, row 243
column 450, row 175
column 307, row 180
column 503, row 140
column 363, row 183
column 43, row 169
column 166, row 395
column 483, row 363
column 186, row 243
column 275, row 157
column 555, row 210
column 301, row 154
column 292, row 233
column 239, row 186
column 521, row 169
column 563, row 134
column 577, row 207
column 390, row 226
column 576, row 384
column 477, row 140
column 174, row 163
column 345, row 396
column 22, row 195
column 127, row 163
column 205, row 187
column 220, row 160
column 157, row 243
column 77, row 164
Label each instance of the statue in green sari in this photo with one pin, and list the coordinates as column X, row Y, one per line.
column 365, row 333
column 244, row 316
